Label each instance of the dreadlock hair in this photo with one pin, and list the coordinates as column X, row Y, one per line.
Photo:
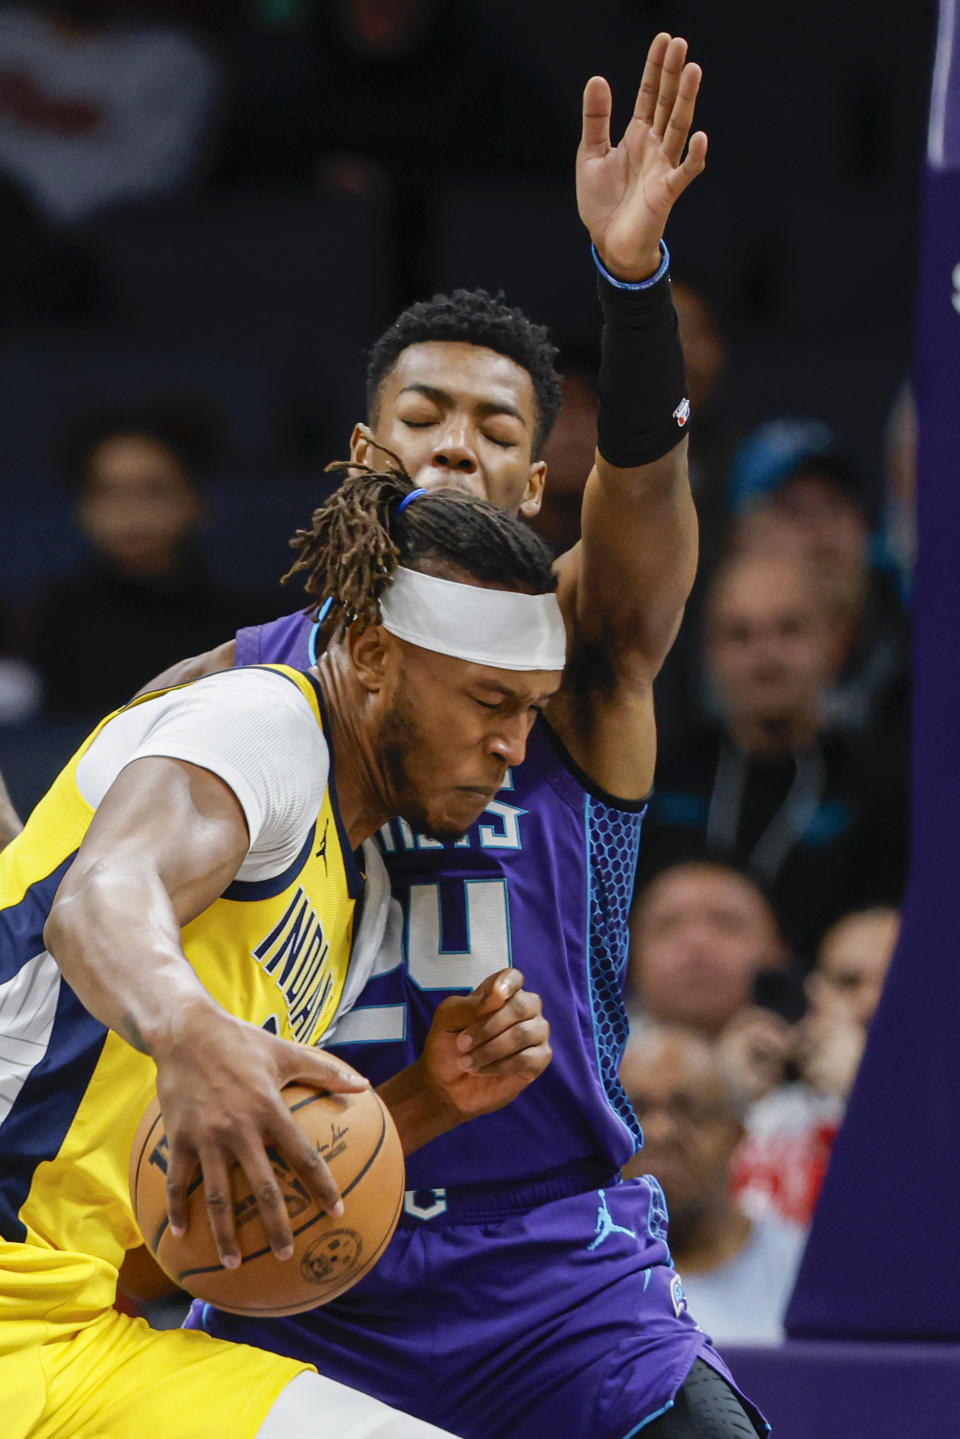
column 357, row 540
column 475, row 318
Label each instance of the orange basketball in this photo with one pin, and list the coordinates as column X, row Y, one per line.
column 358, row 1140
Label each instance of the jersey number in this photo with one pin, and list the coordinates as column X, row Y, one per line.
column 432, row 966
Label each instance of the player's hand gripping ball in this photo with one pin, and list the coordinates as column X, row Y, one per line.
column 356, row 1137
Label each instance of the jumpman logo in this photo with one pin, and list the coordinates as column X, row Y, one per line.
column 322, row 851
column 605, row 1224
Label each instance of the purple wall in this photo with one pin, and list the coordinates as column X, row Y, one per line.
column 883, row 1259
column 834, row 1390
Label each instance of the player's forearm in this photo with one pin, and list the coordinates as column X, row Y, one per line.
column 638, row 560
column 420, row 1109
column 116, row 939
column 638, row 557
column 642, row 386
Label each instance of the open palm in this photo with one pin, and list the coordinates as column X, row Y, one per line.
column 625, row 192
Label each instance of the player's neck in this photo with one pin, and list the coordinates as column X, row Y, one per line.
column 360, row 789
column 709, row 1236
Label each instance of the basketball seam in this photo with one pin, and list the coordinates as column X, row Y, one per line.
column 198, row 1179
column 184, row 1274
column 275, row 1312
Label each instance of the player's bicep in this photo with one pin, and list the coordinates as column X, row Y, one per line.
column 169, row 820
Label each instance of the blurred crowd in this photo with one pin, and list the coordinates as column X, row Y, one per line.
column 209, row 209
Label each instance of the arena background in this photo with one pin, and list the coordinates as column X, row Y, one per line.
column 326, row 189
column 323, row 195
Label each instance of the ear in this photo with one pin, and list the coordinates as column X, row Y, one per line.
column 361, row 442
column 533, row 494
column 371, row 654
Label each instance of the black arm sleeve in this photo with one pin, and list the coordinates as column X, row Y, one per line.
column 643, row 409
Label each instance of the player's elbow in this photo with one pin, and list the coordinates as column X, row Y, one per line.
column 56, row 931
column 75, row 907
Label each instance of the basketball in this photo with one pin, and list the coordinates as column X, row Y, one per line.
column 357, row 1138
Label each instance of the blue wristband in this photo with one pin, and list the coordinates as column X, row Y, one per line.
column 636, row 284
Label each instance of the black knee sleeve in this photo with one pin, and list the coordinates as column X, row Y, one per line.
column 705, row 1408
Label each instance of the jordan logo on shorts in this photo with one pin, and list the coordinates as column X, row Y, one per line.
column 605, row 1224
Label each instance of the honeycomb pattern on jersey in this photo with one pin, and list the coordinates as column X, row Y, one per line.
column 614, row 837
column 658, row 1221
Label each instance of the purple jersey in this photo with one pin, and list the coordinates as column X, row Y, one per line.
column 543, row 881
column 517, row 1269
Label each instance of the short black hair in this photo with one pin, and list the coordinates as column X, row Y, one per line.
column 474, row 317
column 187, row 428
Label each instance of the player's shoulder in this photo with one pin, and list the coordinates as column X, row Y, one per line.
column 272, row 706
column 274, row 695
column 241, row 680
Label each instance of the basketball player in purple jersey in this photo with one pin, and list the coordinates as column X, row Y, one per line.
column 529, row 1291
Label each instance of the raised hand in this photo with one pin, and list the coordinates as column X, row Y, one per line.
column 485, row 1047
column 755, row 1046
column 625, row 192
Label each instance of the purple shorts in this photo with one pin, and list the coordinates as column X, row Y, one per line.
column 510, row 1314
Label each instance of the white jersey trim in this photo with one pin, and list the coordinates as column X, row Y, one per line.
column 251, row 727
column 28, row 1008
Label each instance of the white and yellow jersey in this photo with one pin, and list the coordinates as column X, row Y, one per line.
column 274, row 949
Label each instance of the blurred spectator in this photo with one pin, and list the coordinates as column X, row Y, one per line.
column 711, row 442
column 569, row 453
column 389, row 90
column 21, row 692
column 772, row 788
column 99, row 106
column 737, row 1270
column 679, row 689
column 700, row 935
column 790, row 1133
column 794, row 493
column 143, row 599
column 900, row 483
column 9, row 819
column 844, row 990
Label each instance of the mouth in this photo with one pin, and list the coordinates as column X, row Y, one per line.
column 482, row 796
column 432, row 478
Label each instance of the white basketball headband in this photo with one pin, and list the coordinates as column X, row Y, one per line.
column 501, row 628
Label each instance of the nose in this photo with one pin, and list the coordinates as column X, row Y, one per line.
column 658, row 1125
column 454, row 451
column 509, row 742
column 696, row 936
